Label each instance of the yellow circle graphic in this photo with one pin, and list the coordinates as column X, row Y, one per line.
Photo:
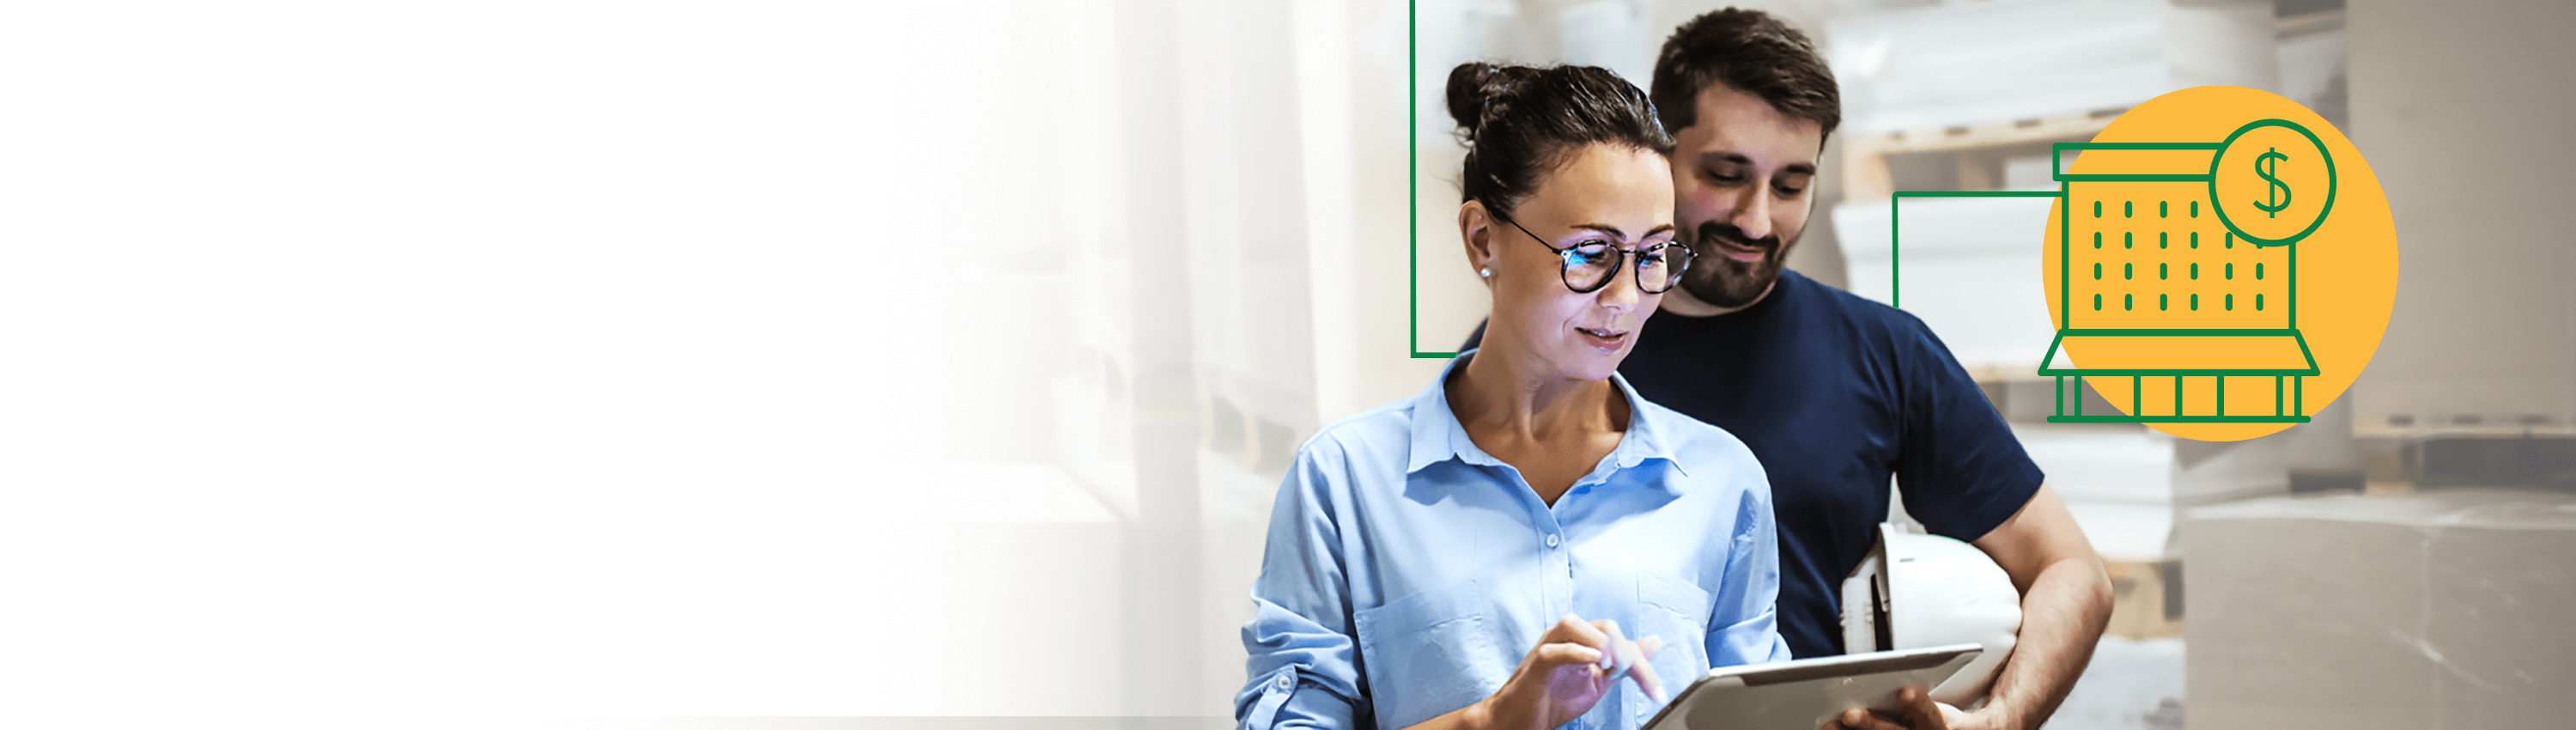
column 2220, row 265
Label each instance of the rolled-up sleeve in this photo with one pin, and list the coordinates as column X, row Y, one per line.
column 1303, row 671
column 1744, row 628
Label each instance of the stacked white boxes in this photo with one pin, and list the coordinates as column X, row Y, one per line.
column 2434, row 609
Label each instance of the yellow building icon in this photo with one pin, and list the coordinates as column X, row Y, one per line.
column 2156, row 281
column 2219, row 264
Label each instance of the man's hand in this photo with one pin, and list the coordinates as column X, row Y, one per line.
column 1915, row 711
column 2065, row 601
column 1574, row 665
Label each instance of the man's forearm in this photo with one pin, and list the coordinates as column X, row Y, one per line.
column 2062, row 615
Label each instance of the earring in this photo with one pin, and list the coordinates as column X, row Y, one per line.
column 1487, row 271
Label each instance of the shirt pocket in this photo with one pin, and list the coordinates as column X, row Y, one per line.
column 1429, row 653
column 1677, row 612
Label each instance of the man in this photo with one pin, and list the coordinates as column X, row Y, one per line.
column 1835, row 393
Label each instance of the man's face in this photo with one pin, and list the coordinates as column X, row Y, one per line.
column 1741, row 178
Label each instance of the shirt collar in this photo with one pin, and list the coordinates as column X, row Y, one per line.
column 1438, row 436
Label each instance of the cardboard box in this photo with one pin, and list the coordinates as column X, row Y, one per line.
column 2432, row 609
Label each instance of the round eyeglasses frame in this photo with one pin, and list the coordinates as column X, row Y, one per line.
column 1565, row 262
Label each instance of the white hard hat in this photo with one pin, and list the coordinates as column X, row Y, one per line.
column 1916, row 591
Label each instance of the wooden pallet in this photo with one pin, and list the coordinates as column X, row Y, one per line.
column 2145, row 599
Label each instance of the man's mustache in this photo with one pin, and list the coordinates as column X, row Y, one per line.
column 1713, row 232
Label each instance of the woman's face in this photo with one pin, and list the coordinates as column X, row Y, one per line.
column 1606, row 193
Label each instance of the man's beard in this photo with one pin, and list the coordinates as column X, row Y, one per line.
column 1726, row 282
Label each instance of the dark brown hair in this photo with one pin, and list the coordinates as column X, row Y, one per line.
column 1519, row 122
column 1752, row 52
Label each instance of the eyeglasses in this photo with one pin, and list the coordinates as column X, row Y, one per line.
column 1588, row 266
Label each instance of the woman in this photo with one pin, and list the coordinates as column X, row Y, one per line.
column 1472, row 557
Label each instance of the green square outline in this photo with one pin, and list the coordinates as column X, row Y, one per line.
column 1413, row 187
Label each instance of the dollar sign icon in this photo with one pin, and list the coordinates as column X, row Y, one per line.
column 2271, row 144
column 2264, row 167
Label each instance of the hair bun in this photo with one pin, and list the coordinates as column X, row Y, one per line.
column 1478, row 90
column 1520, row 122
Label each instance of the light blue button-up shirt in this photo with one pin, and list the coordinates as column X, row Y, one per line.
column 1408, row 571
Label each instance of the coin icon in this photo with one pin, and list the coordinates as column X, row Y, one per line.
column 2272, row 182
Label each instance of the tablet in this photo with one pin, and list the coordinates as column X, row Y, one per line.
column 1803, row 694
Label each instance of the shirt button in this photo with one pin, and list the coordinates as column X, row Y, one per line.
column 1287, row 682
column 1551, row 540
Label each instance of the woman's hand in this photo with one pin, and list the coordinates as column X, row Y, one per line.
column 1574, row 665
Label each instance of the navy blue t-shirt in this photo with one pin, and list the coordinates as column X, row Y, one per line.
column 1834, row 393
